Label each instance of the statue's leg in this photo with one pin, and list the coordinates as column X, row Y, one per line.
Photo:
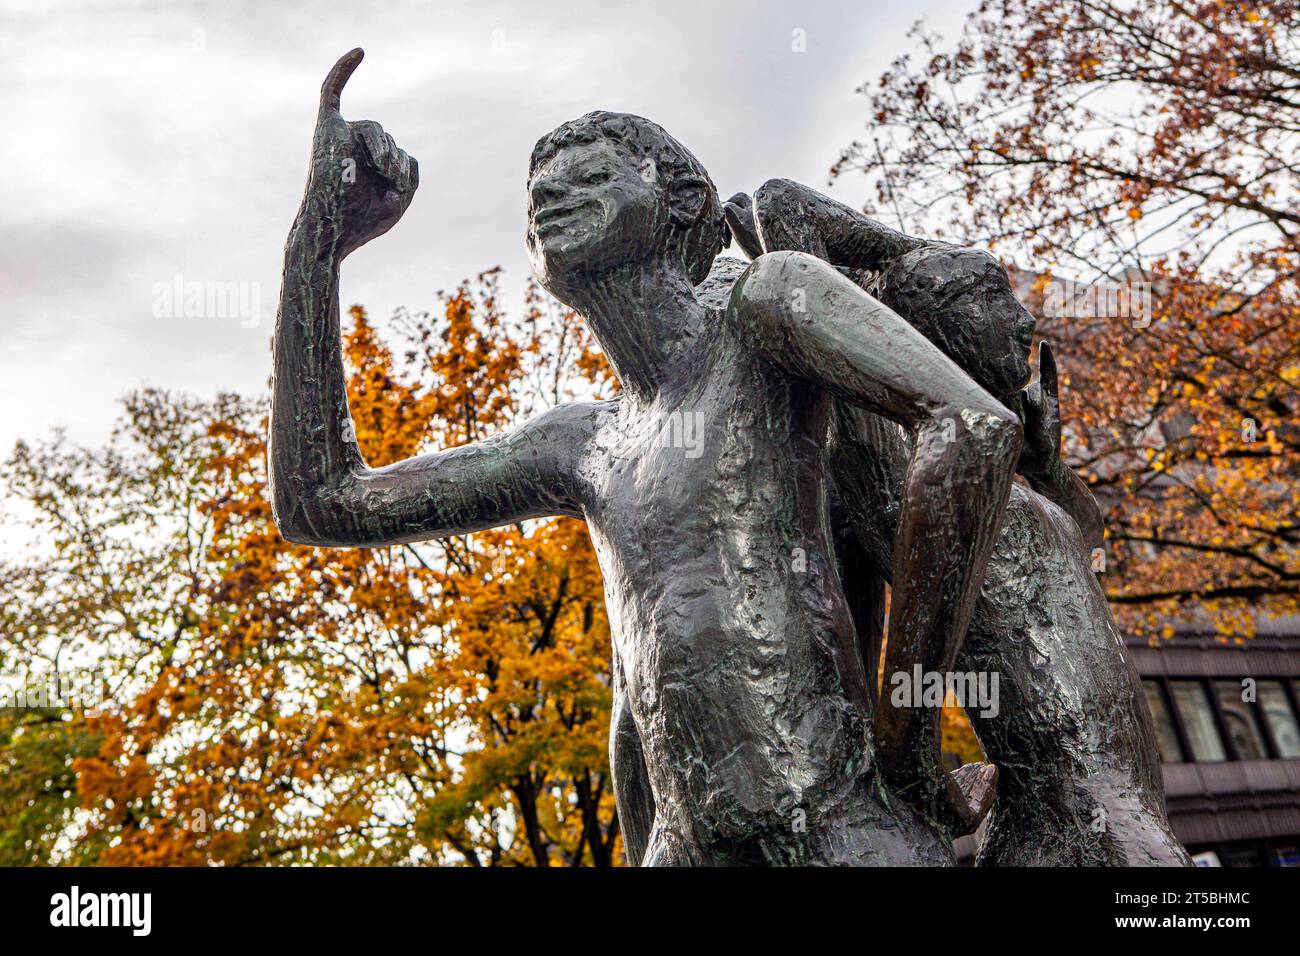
column 1098, row 819
column 632, row 794
column 1080, row 780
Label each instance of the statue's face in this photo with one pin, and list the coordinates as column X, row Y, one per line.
column 591, row 208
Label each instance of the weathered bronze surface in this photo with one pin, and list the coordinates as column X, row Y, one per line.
column 747, row 726
column 1080, row 780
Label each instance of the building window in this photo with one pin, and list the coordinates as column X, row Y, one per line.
column 1193, row 703
column 1166, row 736
column 1285, row 854
column 1281, row 720
column 1239, row 718
column 1240, row 854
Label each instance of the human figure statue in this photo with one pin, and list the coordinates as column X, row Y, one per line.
column 1079, row 776
column 735, row 646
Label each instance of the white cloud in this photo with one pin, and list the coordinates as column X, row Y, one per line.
column 148, row 140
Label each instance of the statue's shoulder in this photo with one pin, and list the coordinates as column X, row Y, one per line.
column 1040, row 528
column 729, row 275
column 763, row 289
column 715, row 291
column 582, row 419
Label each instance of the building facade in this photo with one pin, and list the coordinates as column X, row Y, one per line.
column 1227, row 719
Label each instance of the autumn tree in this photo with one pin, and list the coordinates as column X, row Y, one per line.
column 441, row 703
column 1148, row 152
column 109, row 584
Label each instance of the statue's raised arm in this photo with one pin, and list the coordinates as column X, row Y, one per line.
column 322, row 493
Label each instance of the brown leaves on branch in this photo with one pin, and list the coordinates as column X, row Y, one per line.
column 1148, row 148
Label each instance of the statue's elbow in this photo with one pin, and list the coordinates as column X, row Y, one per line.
column 290, row 521
column 991, row 436
column 774, row 291
column 300, row 518
column 294, row 531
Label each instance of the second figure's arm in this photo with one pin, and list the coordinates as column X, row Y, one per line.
column 1040, row 459
column 808, row 319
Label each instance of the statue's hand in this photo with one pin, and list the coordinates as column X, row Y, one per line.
column 1040, row 412
column 739, row 213
column 782, row 216
column 360, row 181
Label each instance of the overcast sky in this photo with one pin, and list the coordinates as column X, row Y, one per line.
column 147, row 142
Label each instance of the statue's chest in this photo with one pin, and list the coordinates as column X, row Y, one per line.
column 662, row 464
column 695, row 469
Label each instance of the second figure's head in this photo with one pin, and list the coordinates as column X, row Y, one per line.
column 962, row 301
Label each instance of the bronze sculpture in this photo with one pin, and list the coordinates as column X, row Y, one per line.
column 1080, row 780
column 748, row 700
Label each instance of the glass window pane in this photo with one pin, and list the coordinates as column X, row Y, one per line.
column 1277, row 710
column 1285, row 854
column 1240, row 718
column 1241, row 854
column 1193, row 705
column 1166, row 739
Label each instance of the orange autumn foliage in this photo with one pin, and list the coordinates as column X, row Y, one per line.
column 440, row 703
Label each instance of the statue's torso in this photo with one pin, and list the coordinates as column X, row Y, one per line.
column 708, row 514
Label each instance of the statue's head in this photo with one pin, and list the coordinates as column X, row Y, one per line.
column 962, row 301
column 611, row 189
